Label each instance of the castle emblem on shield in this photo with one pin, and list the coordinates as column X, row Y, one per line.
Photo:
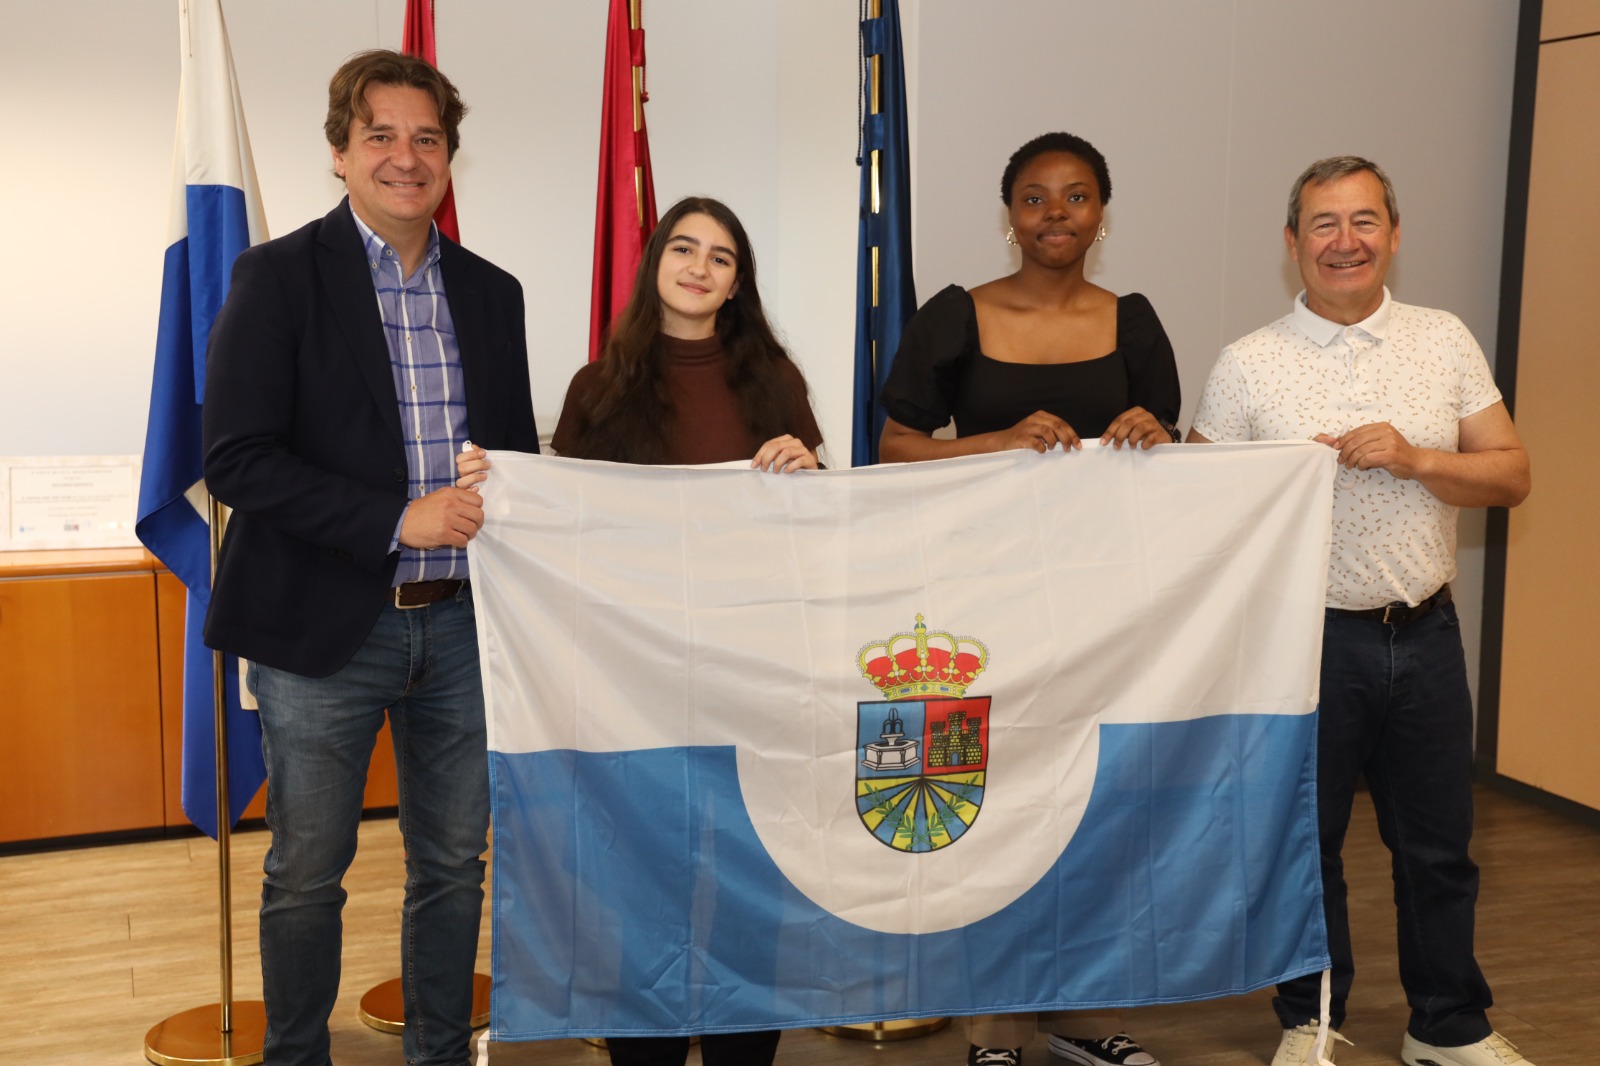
column 922, row 752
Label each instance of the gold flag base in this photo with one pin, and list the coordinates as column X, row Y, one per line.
column 883, row 1032
column 195, row 1037
column 384, row 1007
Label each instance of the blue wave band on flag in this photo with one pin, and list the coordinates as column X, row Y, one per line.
column 635, row 897
column 195, row 275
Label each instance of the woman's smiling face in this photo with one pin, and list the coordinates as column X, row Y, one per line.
column 699, row 271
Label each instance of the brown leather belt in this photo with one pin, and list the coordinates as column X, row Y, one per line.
column 1399, row 614
column 422, row 593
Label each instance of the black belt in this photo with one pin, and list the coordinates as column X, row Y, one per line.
column 422, row 593
column 1399, row 614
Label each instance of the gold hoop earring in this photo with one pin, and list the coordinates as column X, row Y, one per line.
column 1101, row 235
column 1011, row 235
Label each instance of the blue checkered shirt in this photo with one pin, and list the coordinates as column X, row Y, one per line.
column 426, row 364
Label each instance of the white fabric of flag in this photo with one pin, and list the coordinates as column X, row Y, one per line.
column 1005, row 732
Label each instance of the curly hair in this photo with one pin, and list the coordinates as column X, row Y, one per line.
column 1070, row 143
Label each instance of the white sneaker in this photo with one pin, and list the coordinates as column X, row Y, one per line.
column 1295, row 1047
column 1492, row 1050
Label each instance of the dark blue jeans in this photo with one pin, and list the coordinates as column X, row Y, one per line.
column 1395, row 707
column 318, row 735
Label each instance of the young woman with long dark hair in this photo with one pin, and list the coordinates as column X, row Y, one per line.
column 691, row 373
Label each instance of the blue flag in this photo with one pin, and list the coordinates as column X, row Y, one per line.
column 215, row 214
column 839, row 748
column 885, row 290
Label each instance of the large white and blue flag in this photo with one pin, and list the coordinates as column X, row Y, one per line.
column 215, row 214
column 1000, row 733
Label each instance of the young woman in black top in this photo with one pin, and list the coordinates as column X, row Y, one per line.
column 1042, row 356
column 1034, row 359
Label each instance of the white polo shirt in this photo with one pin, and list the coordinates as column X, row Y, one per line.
column 1417, row 369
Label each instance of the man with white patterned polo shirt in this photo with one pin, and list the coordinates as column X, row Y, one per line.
column 1406, row 397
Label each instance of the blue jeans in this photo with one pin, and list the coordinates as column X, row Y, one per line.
column 317, row 735
column 1395, row 707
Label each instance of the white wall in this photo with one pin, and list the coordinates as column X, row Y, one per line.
column 1206, row 109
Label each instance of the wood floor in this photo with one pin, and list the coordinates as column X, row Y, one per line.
column 98, row 945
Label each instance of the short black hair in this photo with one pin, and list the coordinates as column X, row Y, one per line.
column 1070, row 143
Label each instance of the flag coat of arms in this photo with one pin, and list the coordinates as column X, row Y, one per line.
column 1006, row 732
column 919, row 782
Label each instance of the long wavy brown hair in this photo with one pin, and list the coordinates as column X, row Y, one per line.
column 631, row 416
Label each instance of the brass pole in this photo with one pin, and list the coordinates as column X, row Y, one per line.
column 875, row 10
column 213, row 1035
column 636, row 22
column 219, row 698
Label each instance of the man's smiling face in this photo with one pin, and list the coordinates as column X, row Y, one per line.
column 1345, row 242
column 396, row 164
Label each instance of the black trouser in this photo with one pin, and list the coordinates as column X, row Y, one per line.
column 1395, row 707
column 716, row 1049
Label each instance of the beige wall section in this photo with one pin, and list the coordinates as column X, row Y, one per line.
column 1568, row 18
column 1549, row 705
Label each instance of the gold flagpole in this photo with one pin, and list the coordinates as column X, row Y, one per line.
column 216, row 1034
column 636, row 23
column 875, row 103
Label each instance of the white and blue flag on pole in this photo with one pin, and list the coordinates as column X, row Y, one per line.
column 215, row 214
column 1000, row 733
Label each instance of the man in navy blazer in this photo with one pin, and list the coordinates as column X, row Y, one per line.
column 352, row 360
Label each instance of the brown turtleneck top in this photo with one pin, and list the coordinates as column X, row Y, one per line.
column 706, row 424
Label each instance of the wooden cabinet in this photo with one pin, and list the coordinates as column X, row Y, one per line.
column 80, row 698
column 91, row 697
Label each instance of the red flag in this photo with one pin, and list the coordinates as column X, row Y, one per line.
column 625, row 206
column 417, row 40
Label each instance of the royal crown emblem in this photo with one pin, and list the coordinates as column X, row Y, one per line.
column 923, row 751
column 920, row 663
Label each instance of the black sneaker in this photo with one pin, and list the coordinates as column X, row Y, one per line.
column 1119, row 1050
column 993, row 1056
